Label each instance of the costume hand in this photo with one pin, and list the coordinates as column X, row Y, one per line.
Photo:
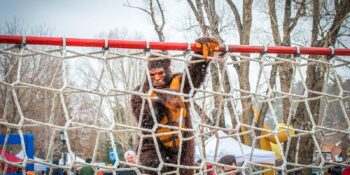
column 208, row 46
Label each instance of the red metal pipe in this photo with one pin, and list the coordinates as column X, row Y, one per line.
column 127, row 44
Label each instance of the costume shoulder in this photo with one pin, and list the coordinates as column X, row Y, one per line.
column 175, row 75
column 145, row 87
column 137, row 88
column 175, row 82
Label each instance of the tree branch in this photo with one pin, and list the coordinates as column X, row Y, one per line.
column 151, row 13
column 237, row 16
column 286, row 22
column 274, row 24
column 213, row 19
column 342, row 13
column 300, row 12
column 162, row 15
column 135, row 7
column 315, row 22
column 198, row 12
column 204, row 117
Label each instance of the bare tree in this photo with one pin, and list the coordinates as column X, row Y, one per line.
column 284, row 69
column 118, row 73
column 156, row 13
column 322, row 36
column 211, row 24
column 244, row 23
column 206, row 11
column 33, row 102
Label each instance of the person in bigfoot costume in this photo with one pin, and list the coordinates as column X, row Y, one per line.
column 170, row 110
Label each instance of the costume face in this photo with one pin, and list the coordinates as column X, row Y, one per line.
column 158, row 77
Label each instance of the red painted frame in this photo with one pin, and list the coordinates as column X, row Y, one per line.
column 128, row 44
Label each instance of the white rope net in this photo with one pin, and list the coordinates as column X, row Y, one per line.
column 84, row 95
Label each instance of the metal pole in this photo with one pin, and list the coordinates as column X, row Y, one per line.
column 59, row 41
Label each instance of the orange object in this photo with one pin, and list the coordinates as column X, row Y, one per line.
column 30, row 173
column 208, row 49
column 177, row 113
column 266, row 142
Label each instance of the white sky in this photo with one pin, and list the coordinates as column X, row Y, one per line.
column 87, row 18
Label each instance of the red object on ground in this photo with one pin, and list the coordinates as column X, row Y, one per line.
column 59, row 41
column 10, row 158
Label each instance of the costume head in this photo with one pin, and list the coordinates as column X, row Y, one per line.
column 159, row 68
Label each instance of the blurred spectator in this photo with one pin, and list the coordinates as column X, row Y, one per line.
column 208, row 168
column 130, row 157
column 55, row 171
column 87, row 170
column 108, row 172
column 337, row 170
column 229, row 160
column 346, row 171
column 279, row 162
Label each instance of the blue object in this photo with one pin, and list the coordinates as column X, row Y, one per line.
column 113, row 156
column 15, row 139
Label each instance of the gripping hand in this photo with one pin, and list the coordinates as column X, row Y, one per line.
column 208, row 46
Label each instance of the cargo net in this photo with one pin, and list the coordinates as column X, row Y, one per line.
column 77, row 104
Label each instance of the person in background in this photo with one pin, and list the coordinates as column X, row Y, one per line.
column 87, row 170
column 130, row 157
column 279, row 162
column 346, row 170
column 229, row 160
column 108, row 172
column 208, row 167
column 55, row 171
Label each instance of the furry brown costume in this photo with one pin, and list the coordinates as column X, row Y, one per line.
column 170, row 110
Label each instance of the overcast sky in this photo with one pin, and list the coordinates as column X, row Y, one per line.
column 87, row 18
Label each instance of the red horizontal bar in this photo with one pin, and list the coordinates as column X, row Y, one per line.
column 127, row 44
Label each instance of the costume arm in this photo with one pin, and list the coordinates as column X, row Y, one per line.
column 136, row 105
column 197, row 73
column 198, row 70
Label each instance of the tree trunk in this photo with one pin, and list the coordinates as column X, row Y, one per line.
column 314, row 81
column 218, row 111
column 213, row 31
column 285, row 75
column 244, row 84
